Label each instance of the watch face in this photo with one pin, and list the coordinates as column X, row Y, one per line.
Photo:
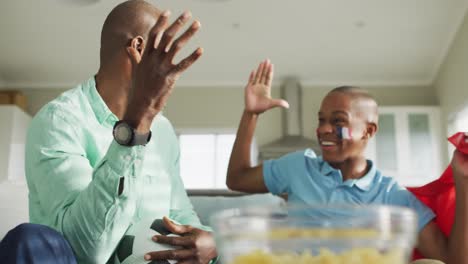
column 123, row 133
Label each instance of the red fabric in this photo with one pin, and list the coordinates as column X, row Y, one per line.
column 439, row 195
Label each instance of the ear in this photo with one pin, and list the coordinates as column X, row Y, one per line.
column 371, row 130
column 138, row 43
column 136, row 48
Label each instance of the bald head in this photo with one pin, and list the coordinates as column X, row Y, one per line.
column 361, row 101
column 126, row 21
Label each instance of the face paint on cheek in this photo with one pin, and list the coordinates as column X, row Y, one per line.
column 343, row 132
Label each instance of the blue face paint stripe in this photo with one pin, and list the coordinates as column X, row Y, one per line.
column 339, row 132
column 343, row 132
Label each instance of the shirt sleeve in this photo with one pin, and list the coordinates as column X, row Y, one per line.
column 181, row 208
column 400, row 196
column 278, row 174
column 81, row 202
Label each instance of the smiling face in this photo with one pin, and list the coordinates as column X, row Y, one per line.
column 356, row 111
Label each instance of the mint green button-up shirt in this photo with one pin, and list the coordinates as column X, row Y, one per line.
column 74, row 168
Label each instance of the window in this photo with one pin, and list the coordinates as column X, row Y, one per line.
column 204, row 159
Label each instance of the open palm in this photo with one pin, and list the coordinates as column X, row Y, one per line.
column 258, row 90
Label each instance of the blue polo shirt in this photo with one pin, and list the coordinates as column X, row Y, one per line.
column 309, row 179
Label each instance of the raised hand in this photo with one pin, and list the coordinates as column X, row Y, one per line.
column 258, row 90
column 196, row 246
column 155, row 72
column 460, row 164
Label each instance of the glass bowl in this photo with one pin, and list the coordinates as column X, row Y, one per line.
column 315, row 234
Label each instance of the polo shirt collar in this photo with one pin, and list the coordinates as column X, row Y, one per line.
column 364, row 183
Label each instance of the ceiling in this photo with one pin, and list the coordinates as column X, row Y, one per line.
column 55, row 43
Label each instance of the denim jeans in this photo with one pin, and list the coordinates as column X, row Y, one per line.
column 35, row 244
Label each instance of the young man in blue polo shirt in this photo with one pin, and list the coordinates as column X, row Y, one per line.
column 342, row 174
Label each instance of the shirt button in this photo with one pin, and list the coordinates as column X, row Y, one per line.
column 128, row 157
column 137, row 162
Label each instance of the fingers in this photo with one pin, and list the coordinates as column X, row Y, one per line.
column 269, row 78
column 266, row 69
column 176, row 229
column 135, row 56
column 183, row 39
column 263, row 74
column 252, row 76
column 158, row 30
column 279, row 103
column 267, row 74
column 188, row 61
column 172, row 30
column 174, row 240
column 259, row 72
column 171, row 254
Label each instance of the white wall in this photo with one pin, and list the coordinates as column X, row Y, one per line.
column 2, row 82
column 218, row 108
column 451, row 83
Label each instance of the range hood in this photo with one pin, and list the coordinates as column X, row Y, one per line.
column 293, row 138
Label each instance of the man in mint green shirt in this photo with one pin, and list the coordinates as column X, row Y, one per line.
column 91, row 177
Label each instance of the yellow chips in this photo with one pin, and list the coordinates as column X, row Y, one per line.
column 354, row 256
column 359, row 255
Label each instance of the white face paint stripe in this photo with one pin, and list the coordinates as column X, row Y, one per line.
column 344, row 132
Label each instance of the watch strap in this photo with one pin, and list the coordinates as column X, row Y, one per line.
column 140, row 139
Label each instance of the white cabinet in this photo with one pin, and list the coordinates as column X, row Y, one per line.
column 14, row 123
column 408, row 144
column 13, row 189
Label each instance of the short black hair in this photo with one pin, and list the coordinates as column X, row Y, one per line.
column 361, row 95
column 353, row 91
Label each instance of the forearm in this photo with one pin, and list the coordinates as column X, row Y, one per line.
column 458, row 241
column 96, row 220
column 240, row 157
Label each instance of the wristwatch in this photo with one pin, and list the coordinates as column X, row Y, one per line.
column 126, row 135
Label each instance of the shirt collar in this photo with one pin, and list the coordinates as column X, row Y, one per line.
column 325, row 168
column 364, row 183
column 100, row 109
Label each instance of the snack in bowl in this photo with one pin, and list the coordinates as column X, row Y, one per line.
column 331, row 234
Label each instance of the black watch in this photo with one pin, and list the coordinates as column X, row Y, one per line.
column 126, row 135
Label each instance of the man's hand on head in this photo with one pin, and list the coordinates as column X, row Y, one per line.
column 155, row 73
column 196, row 246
